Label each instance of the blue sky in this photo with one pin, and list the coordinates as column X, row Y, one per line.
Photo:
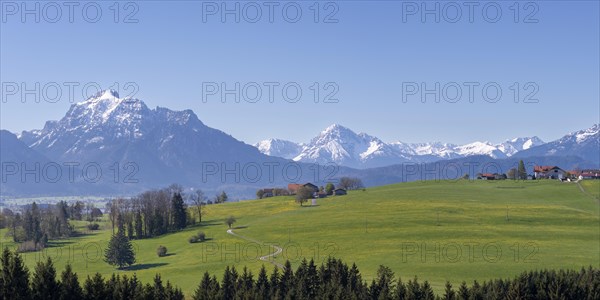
column 369, row 53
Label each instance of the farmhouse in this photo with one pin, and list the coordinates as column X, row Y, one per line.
column 487, row 176
column 339, row 192
column 293, row 187
column 549, row 172
column 267, row 193
column 586, row 174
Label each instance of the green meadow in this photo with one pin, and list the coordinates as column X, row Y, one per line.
column 436, row 230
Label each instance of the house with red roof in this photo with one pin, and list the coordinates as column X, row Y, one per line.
column 549, row 172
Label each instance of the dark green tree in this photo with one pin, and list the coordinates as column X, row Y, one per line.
column 463, row 291
column 159, row 291
column 43, row 283
column 15, row 277
column 178, row 212
column 261, row 289
column 69, row 288
column 95, row 288
column 204, row 288
column 521, row 172
column 139, row 225
column 449, row 293
column 227, row 285
column 119, row 251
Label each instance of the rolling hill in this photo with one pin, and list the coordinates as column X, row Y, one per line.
column 436, row 230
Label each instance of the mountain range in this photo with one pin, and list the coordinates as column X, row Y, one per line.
column 343, row 146
column 112, row 146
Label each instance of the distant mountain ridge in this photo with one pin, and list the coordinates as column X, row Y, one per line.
column 138, row 148
column 343, row 146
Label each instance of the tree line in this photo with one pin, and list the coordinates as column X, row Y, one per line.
column 36, row 225
column 157, row 212
column 333, row 279
column 16, row 283
column 150, row 214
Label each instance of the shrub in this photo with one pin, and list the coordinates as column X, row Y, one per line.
column 161, row 251
column 200, row 237
column 93, row 226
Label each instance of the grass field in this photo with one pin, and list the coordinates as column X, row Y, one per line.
column 449, row 230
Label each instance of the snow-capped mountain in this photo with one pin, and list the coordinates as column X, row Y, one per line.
column 343, row 146
column 159, row 145
column 279, row 148
column 340, row 145
column 583, row 143
column 510, row 147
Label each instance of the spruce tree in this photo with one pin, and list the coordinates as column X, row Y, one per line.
column 261, row 289
column 463, row 291
column 227, row 285
column 43, row 283
column 521, row 172
column 119, row 251
column 139, row 234
column 274, row 284
column 95, row 288
column 178, row 212
column 286, row 282
column 204, row 288
column 449, row 293
column 400, row 292
column 69, row 288
column 15, row 277
column 158, row 288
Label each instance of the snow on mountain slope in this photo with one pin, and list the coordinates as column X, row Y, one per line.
column 279, row 147
column 583, row 143
column 341, row 145
column 510, row 147
column 163, row 144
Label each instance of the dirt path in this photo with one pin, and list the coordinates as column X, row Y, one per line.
column 264, row 258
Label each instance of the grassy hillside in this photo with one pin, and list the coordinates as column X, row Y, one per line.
column 449, row 230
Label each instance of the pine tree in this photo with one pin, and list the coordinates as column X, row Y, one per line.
column 15, row 277
column 130, row 229
column 228, row 284
column 261, row 289
column 5, row 274
column 95, row 288
column 204, row 288
column 178, row 212
column 427, row 291
column 449, row 293
column 274, row 284
column 43, row 283
column 139, row 234
column 400, row 292
column 69, row 288
column 246, row 284
column 158, row 288
column 521, row 172
column 286, row 282
column 119, row 251
column 463, row 291
column 312, row 279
